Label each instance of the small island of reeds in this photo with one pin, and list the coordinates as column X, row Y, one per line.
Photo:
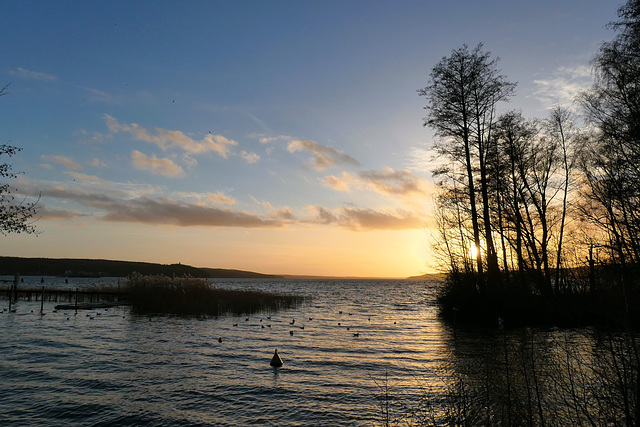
column 189, row 296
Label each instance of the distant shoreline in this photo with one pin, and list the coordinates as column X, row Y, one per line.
column 81, row 267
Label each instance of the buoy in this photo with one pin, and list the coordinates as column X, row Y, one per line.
column 276, row 362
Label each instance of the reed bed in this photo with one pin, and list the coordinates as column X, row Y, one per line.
column 189, row 296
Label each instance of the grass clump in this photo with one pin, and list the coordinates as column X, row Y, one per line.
column 189, row 296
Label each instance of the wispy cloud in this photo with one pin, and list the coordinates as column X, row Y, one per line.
column 269, row 139
column 163, row 166
column 206, row 199
column 101, row 200
column 563, row 85
column 358, row 219
column 45, row 213
column 166, row 139
column 32, row 75
column 323, row 156
column 389, row 181
column 340, row 183
column 63, row 160
column 386, row 181
column 96, row 95
column 249, row 157
column 97, row 163
column 165, row 211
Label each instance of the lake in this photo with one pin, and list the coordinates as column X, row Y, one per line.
column 350, row 343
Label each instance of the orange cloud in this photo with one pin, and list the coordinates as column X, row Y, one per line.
column 165, row 138
column 63, row 160
column 368, row 219
column 339, row 183
column 165, row 167
column 324, row 156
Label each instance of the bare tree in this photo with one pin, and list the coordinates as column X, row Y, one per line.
column 612, row 167
column 461, row 97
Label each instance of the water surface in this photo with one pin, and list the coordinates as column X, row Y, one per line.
column 109, row 367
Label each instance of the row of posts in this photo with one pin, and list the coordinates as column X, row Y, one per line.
column 14, row 290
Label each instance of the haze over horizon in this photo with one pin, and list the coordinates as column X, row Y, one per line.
column 280, row 137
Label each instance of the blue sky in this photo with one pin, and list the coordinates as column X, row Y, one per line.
column 274, row 136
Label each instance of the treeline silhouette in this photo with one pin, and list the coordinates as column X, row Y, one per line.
column 109, row 268
column 539, row 219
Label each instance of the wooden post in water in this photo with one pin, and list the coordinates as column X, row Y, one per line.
column 15, row 287
column 42, row 301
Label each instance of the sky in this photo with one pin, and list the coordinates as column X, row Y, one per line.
column 282, row 137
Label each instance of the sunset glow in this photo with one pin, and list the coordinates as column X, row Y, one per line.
column 280, row 137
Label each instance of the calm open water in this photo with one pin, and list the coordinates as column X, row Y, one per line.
column 109, row 367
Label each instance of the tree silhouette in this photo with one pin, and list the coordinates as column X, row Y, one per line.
column 14, row 217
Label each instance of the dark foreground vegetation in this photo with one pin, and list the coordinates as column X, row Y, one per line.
column 574, row 378
column 613, row 303
column 539, row 219
column 188, row 296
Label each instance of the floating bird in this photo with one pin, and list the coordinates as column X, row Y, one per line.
column 310, row 318
column 369, row 319
column 291, row 333
column 339, row 324
column 357, row 334
column 268, row 326
column 292, row 321
column 276, row 362
column 347, row 328
column 235, row 324
column 246, row 319
column 220, row 339
column 262, row 327
column 302, row 327
column 339, row 312
column 269, row 317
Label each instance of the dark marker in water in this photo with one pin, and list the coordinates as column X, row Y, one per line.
column 276, row 362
